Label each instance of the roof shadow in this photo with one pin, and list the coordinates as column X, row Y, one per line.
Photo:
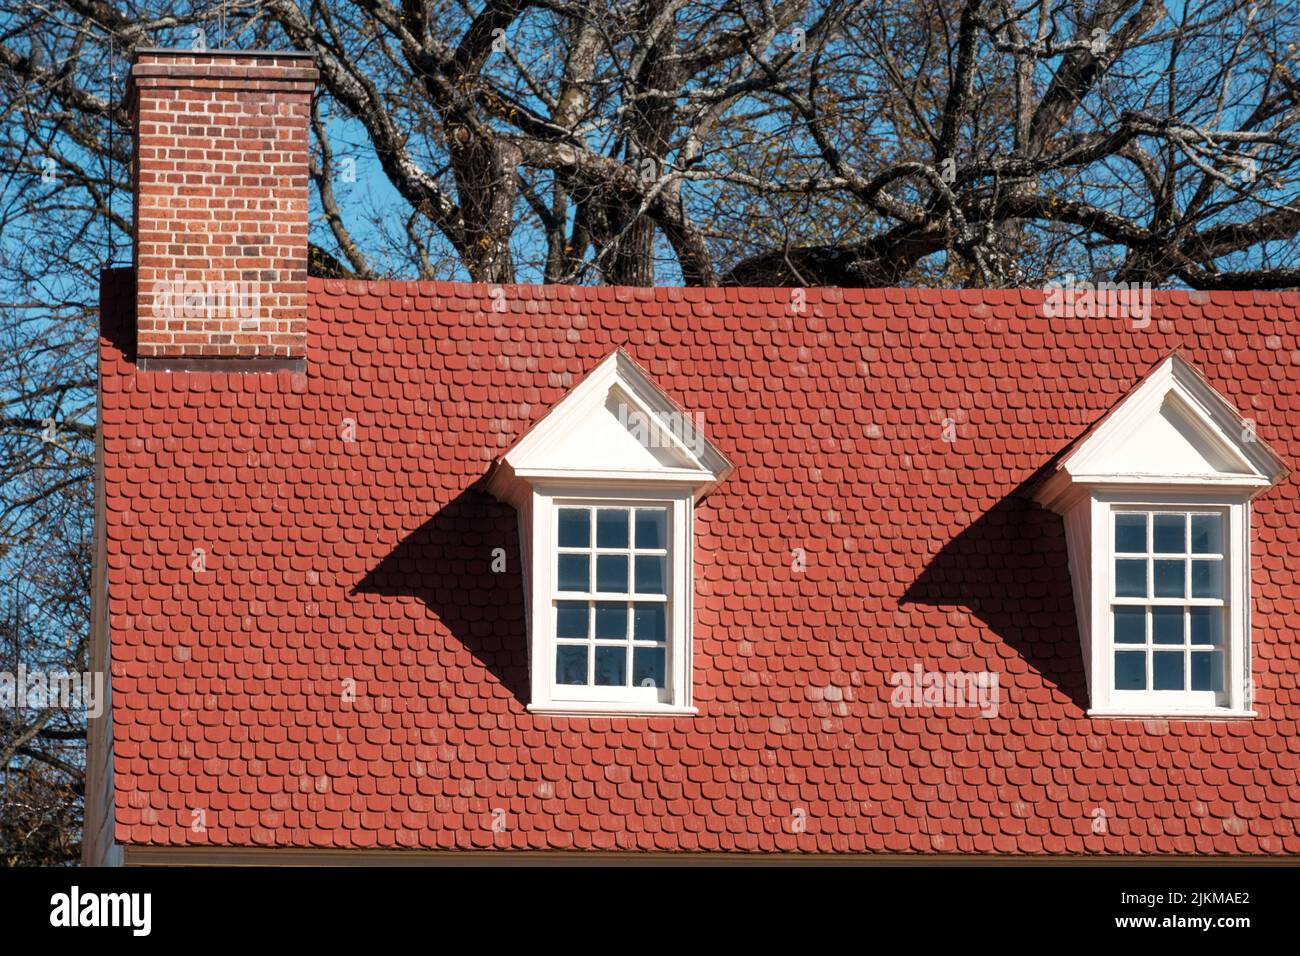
column 446, row 564
column 1010, row 569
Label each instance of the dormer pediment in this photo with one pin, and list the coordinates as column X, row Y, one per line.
column 614, row 425
column 1172, row 429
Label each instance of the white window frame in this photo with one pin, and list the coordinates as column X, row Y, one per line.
column 548, row 696
column 1234, row 700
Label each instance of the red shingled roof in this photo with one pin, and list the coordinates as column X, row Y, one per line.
column 369, row 560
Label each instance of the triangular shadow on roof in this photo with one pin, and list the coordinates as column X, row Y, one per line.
column 446, row 564
column 1010, row 569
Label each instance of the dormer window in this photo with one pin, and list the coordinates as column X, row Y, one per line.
column 605, row 486
column 613, row 612
column 1169, row 606
column 1156, row 502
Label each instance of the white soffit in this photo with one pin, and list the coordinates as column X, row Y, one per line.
column 1172, row 429
column 614, row 424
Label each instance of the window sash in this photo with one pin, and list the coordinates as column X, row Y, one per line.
column 1149, row 695
column 675, row 507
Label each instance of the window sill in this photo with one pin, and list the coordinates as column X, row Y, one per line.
column 577, row 708
column 1210, row 713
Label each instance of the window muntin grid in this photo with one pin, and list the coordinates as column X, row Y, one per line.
column 1168, row 605
column 611, row 596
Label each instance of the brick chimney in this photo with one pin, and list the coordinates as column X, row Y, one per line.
column 221, row 141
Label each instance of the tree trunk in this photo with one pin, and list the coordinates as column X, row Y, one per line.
column 487, row 185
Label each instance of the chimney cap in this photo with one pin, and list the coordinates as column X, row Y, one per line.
column 169, row 66
column 186, row 51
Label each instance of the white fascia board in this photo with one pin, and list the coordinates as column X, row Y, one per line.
column 1137, row 479
column 675, row 476
column 514, row 486
column 1062, row 490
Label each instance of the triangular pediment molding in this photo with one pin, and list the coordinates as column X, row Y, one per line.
column 614, row 425
column 1172, row 429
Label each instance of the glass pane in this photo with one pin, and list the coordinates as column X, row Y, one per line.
column 1207, row 670
column 571, row 664
column 575, row 528
column 1206, row 625
column 1170, row 578
column 1130, row 625
column 651, row 528
column 611, row 573
column 649, row 574
column 1130, row 533
column 1167, row 625
column 611, row 621
column 611, row 528
column 574, row 572
column 1130, row 578
column 611, row 666
column 648, row 667
column 1207, row 579
column 648, row 622
column 1170, row 533
column 1207, row 534
column 1167, row 670
column 1130, row 670
column 571, row 619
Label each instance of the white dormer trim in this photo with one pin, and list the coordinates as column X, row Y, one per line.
column 615, row 443
column 677, row 451
column 1176, row 392
column 1172, row 445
